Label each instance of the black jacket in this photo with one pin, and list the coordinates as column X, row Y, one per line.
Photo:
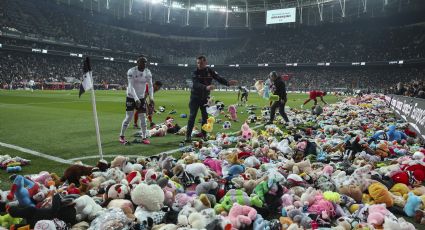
column 203, row 78
column 280, row 88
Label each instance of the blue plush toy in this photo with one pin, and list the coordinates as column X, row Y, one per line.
column 412, row 205
column 261, row 224
column 235, row 170
column 391, row 135
column 23, row 189
column 12, row 169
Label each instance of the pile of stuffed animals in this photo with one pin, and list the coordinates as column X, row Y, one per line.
column 12, row 164
column 336, row 170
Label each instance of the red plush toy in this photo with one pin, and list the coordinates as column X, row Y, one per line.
column 411, row 174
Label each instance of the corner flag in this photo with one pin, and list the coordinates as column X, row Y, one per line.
column 86, row 82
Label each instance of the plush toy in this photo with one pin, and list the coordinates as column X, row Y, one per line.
column 6, row 221
column 247, row 186
column 208, row 127
column 413, row 203
column 377, row 214
column 411, row 175
column 391, row 135
column 32, row 215
column 399, row 189
column 298, row 217
column 214, row 164
column 87, row 208
column 236, row 196
column 209, row 187
column 322, row 207
column 197, row 169
column 241, row 216
column 352, row 191
column 13, row 169
column 233, row 112
column 380, row 194
column 74, row 172
column 24, row 189
column 151, row 197
column 247, row 132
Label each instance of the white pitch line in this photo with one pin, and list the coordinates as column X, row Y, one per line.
column 35, row 153
column 41, row 103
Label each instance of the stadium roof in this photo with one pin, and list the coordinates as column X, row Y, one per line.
column 246, row 12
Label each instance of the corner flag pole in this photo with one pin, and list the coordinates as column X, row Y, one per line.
column 87, row 84
column 96, row 120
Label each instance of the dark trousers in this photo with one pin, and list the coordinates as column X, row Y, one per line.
column 194, row 105
column 281, row 106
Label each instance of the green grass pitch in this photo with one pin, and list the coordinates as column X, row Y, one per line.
column 58, row 123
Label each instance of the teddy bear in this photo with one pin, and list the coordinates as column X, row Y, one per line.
column 413, row 204
column 233, row 112
column 208, row 127
column 246, row 132
column 241, row 216
column 247, row 186
column 150, row 197
column 191, row 219
column 87, row 208
column 298, row 217
column 377, row 214
column 380, row 194
column 352, row 191
column 74, row 172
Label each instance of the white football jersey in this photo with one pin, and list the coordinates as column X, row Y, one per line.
column 137, row 83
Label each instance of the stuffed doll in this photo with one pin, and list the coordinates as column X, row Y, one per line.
column 24, row 189
column 6, row 221
column 87, row 208
column 233, row 112
column 247, row 132
column 412, row 205
column 237, row 196
column 380, row 194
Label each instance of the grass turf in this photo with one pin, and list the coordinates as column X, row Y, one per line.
column 60, row 124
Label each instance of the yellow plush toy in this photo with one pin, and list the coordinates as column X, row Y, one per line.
column 380, row 194
column 399, row 189
column 208, row 127
column 332, row 196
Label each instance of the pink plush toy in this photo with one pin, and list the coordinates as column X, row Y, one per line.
column 215, row 165
column 322, row 207
column 233, row 112
column 328, row 170
column 377, row 214
column 169, row 193
column 181, row 200
column 247, row 132
column 42, row 178
column 241, row 215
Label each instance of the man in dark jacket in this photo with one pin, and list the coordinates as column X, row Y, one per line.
column 280, row 91
column 202, row 86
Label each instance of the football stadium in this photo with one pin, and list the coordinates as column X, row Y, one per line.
column 212, row 114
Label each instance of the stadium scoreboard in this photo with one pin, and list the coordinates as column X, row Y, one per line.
column 281, row 16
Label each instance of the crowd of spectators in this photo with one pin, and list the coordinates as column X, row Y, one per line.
column 414, row 88
column 330, row 43
column 18, row 68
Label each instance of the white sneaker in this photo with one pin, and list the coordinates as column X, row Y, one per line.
column 302, row 106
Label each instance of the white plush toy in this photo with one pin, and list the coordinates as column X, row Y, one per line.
column 151, row 197
column 197, row 169
column 87, row 208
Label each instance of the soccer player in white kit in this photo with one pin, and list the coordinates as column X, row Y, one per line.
column 137, row 76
